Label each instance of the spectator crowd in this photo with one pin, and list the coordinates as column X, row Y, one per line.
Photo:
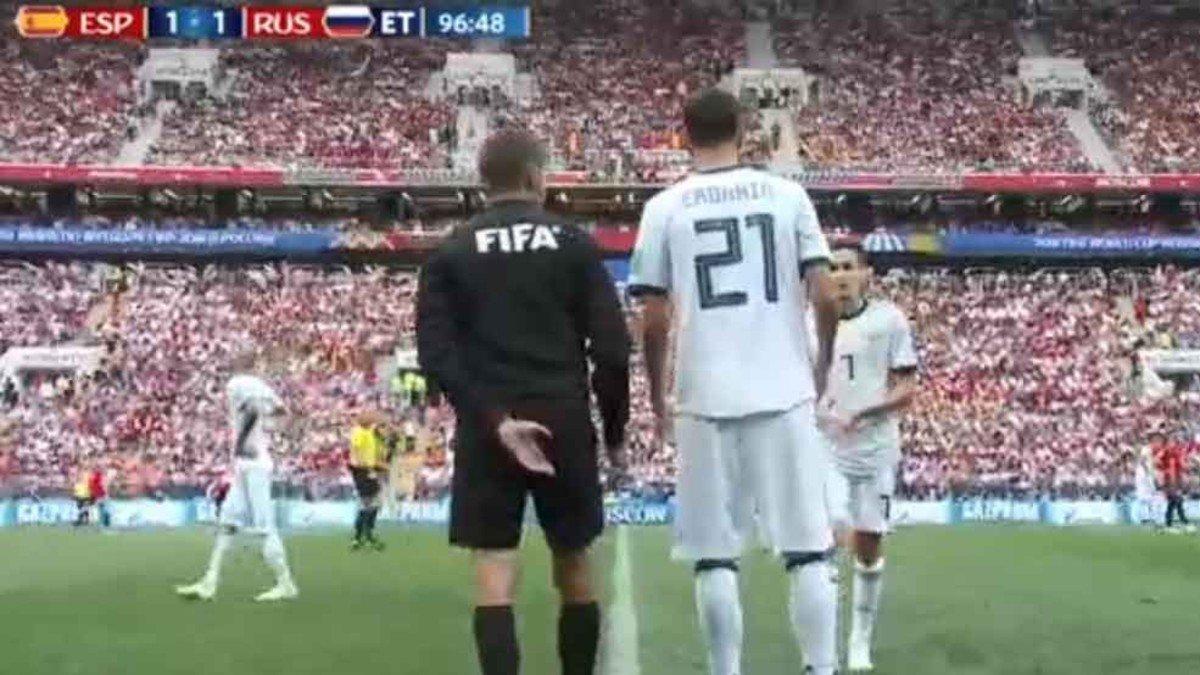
column 1025, row 377
column 917, row 92
column 612, row 77
column 325, row 106
column 1152, row 68
column 154, row 411
column 68, row 106
column 927, row 89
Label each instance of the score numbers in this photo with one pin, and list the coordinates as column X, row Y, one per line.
column 313, row 22
column 195, row 23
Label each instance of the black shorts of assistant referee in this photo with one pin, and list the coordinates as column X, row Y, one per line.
column 489, row 489
column 366, row 483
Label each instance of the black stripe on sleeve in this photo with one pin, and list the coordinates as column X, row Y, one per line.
column 639, row 290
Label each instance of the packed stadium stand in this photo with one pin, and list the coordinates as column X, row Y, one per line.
column 319, row 106
column 68, row 106
column 920, row 93
column 638, row 72
column 1152, row 66
column 913, row 91
column 155, row 410
column 1025, row 375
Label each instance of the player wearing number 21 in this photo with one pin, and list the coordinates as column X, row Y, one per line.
column 733, row 256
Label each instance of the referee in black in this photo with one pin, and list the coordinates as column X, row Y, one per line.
column 510, row 309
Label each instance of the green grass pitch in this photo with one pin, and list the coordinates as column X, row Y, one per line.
column 962, row 601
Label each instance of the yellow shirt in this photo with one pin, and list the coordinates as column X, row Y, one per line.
column 366, row 449
column 82, row 489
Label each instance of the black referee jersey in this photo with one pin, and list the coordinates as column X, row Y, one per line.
column 511, row 308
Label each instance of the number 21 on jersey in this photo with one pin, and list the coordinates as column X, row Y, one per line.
column 764, row 223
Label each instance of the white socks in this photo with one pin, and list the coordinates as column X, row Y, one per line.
column 812, row 604
column 276, row 558
column 272, row 552
column 719, row 606
column 868, row 586
column 213, row 575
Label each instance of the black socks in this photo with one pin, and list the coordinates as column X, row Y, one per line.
column 496, row 640
column 364, row 524
column 1175, row 510
column 578, row 637
column 372, row 514
column 360, row 522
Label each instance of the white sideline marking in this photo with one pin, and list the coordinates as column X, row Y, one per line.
column 621, row 636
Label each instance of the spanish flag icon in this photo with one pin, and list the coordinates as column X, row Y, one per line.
column 42, row 21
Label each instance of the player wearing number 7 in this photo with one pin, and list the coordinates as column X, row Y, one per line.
column 872, row 378
column 730, row 252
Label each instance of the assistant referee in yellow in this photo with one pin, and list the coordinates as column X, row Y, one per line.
column 368, row 463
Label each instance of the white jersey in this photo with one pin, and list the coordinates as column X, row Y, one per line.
column 1143, row 476
column 251, row 401
column 728, row 246
column 869, row 345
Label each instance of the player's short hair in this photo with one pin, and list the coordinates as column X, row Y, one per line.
column 712, row 117
column 508, row 157
column 860, row 253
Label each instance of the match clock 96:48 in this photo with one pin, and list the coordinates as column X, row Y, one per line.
column 495, row 22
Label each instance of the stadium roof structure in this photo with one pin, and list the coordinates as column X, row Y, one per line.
column 814, row 179
column 226, row 192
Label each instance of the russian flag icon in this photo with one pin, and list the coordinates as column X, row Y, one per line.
column 348, row 21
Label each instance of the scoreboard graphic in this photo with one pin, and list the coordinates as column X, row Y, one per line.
column 272, row 22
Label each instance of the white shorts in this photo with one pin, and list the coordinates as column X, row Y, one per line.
column 761, row 474
column 1149, row 507
column 248, row 503
column 862, row 503
column 1145, row 490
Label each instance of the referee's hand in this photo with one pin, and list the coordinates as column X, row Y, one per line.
column 521, row 438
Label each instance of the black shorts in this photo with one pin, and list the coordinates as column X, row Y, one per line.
column 489, row 489
column 366, row 483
